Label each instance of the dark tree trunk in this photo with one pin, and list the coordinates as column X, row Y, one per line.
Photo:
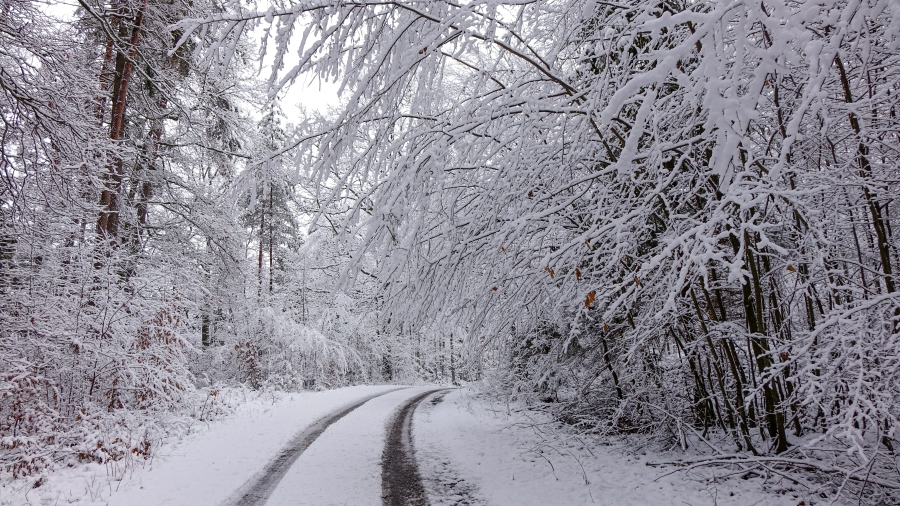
column 108, row 222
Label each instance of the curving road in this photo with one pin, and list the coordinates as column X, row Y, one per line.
column 359, row 454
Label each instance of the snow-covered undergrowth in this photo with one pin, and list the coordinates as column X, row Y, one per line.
column 113, row 400
column 484, row 449
column 72, row 397
column 817, row 469
column 106, row 446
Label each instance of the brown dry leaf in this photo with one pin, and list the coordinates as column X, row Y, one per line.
column 577, row 273
column 549, row 271
column 791, row 268
column 590, row 299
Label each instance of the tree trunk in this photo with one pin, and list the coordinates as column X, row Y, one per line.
column 259, row 258
column 452, row 363
column 108, row 222
column 271, row 241
column 865, row 173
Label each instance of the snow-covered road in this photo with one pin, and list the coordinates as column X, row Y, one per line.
column 212, row 467
column 350, row 446
column 257, row 491
column 344, row 465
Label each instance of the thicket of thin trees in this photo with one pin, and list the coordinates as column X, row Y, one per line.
column 658, row 217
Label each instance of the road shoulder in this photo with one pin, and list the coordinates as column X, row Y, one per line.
column 472, row 451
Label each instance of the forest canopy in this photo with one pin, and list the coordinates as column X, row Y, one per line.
column 664, row 218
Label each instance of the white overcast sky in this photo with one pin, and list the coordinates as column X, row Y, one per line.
column 307, row 91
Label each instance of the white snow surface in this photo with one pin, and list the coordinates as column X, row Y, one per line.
column 472, row 451
column 211, row 468
column 204, row 468
column 343, row 466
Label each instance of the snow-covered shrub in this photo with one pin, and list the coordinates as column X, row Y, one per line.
column 273, row 348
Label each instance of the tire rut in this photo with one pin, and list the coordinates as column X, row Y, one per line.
column 257, row 491
column 401, row 484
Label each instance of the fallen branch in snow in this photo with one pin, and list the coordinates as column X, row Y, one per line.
column 767, row 463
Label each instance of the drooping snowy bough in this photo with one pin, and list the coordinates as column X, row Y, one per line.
column 666, row 217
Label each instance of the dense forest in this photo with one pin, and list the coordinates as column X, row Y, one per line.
column 666, row 219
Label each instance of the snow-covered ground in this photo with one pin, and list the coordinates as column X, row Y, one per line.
column 490, row 455
column 203, row 468
column 469, row 451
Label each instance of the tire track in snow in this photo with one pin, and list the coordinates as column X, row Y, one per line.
column 401, row 484
column 443, row 485
column 258, row 489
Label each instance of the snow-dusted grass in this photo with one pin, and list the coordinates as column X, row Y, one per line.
column 474, row 450
column 204, row 467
